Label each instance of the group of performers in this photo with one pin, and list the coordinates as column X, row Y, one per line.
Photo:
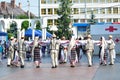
column 62, row 50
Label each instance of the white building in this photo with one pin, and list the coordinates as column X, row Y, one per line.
column 104, row 10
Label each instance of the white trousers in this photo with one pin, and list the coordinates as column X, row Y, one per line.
column 54, row 57
column 22, row 57
column 89, row 56
column 112, row 56
column 10, row 57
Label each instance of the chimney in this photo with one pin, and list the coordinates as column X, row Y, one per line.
column 13, row 3
column 3, row 5
column 20, row 5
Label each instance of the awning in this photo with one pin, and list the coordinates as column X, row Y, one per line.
column 28, row 33
column 47, row 33
column 3, row 33
column 80, row 24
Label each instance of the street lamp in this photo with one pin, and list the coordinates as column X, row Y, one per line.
column 53, row 28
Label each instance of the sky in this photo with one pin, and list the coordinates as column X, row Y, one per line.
column 33, row 5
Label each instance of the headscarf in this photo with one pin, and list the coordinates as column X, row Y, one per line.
column 103, row 43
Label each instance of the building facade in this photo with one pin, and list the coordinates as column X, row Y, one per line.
column 104, row 10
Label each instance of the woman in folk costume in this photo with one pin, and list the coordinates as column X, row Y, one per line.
column 72, row 52
column 36, row 52
column 103, row 52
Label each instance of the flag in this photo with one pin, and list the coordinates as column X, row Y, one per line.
column 105, row 29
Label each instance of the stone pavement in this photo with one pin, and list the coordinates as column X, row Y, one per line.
column 63, row 72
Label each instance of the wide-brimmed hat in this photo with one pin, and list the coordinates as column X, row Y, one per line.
column 53, row 35
column 110, row 36
column 12, row 38
column 89, row 36
column 22, row 37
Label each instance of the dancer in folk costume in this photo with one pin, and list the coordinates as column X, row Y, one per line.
column 36, row 52
column 89, row 47
column 103, row 51
column 15, row 62
column 21, row 51
column 54, row 47
column 79, row 50
column 111, row 49
column 72, row 52
column 64, row 51
column 10, row 51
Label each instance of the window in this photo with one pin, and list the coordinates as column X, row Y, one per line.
column 55, row 1
column 119, row 10
column 43, row 1
column 50, row 1
column 89, row 1
column 82, row 10
column 109, row 20
column 89, row 10
column 109, row 1
column 82, row 1
column 95, row 11
column 102, row 1
column 55, row 21
column 76, row 11
column 75, row 20
column 115, row 10
column 75, row 1
column 115, row 0
column 102, row 11
column 109, row 10
column 95, row 1
column 82, row 20
column 55, row 10
column 50, row 11
column 102, row 20
column 50, row 22
column 115, row 20
column 43, row 11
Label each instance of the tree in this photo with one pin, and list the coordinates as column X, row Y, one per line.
column 38, row 25
column 92, row 18
column 64, row 11
column 12, row 32
column 91, row 21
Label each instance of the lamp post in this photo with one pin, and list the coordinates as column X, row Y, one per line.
column 85, row 12
column 53, row 28
column 29, row 11
column 39, row 9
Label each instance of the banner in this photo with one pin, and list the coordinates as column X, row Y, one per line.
column 105, row 29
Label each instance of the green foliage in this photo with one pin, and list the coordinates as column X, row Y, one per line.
column 38, row 25
column 92, row 18
column 22, row 17
column 10, row 35
column 25, row 25
column 64, row 11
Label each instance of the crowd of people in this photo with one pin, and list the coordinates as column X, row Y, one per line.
column 61, row 50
